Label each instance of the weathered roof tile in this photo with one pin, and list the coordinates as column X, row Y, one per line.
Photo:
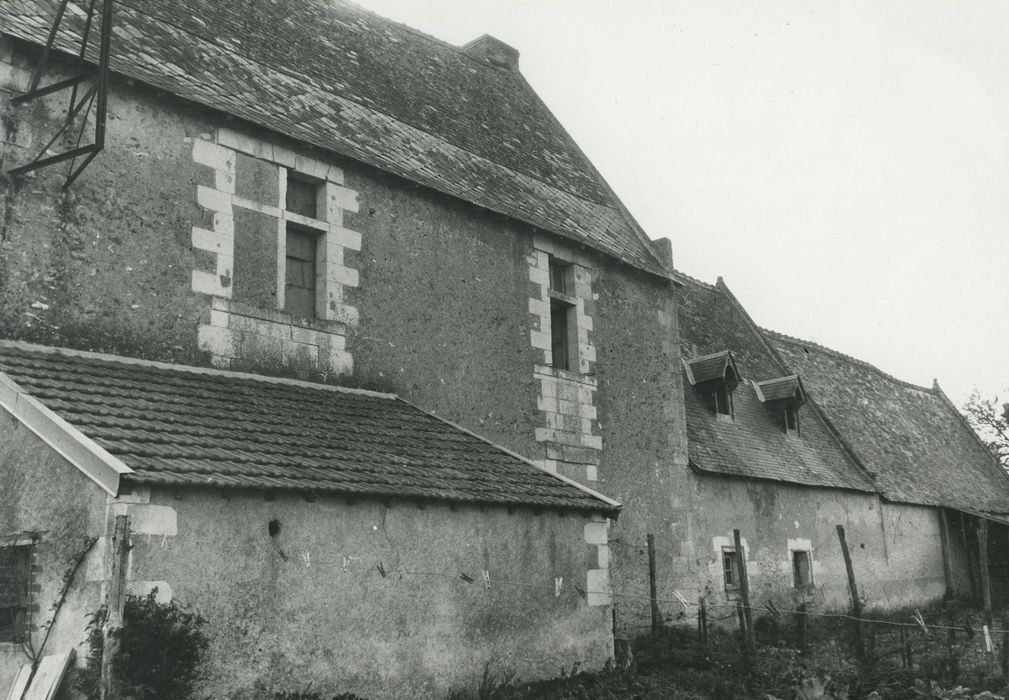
column 186, row 426
column 752, row 445
column 916, row 443
column 336, row 76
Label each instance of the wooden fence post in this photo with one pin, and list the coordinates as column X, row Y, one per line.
column 856, row 602
column 801, row 622
column 982, row 550
column 702, row 623
column 653, row 587
column 112, row 628
column 744, row 591
column 1005, row 647
column 653, row 596
column 947, row 561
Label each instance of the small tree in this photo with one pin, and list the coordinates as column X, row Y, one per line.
column 159, row 653
column 991, row 421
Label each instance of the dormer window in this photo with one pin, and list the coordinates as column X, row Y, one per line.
column 782, row 398
column 715, row 377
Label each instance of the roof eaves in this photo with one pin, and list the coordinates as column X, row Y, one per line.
column 696, row 466
column 211, row 371
column 78, row 449
column 624, row 211
column 607, row 505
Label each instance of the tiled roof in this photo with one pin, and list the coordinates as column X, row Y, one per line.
column 331, row 74
column 781, row 389
column 913, row 439
column 752, row 445
column 185, row 426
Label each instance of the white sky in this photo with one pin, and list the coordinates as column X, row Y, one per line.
column 843, row 165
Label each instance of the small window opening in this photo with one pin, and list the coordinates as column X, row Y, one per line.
column 559, row 273
column 730, row 571
column 302, row 196
column 791, row 418
column 802, row 573
column 723, row 399
column 273, row 527
column 299, row 276
column 560, row 346
column 14, row 593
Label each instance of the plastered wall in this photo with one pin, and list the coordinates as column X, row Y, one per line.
column 42, row 493
column 370, row 598
column 895, row 548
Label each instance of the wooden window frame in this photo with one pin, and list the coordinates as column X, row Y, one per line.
column 730, row 569
column 12, row 617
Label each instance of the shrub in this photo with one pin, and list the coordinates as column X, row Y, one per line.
column 160, row 647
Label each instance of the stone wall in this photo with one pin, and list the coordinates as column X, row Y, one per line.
column 382, row 600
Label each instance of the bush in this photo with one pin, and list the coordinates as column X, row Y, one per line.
column 160, row 646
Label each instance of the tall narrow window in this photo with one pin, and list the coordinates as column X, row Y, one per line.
column 300, row 284
column 559, row 346
column 802, row 574
column 14, row 562
column 561, row 309
column 730, row 571
column 299, row 278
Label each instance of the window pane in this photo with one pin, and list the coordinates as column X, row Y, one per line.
column 559, row 346
column 558, row 276
column 299, row 277
column 13, row 590
column 301, row 197
column 729, row 568
column 300, row 245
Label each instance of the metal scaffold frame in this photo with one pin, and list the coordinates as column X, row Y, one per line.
column 86, row 100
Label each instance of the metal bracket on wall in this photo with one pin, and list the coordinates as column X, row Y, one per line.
column 88, row 94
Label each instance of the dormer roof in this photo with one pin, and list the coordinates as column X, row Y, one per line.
column 716, row 366
column 783, row 389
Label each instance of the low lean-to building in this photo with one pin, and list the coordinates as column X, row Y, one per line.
column 788, row 439
column 335, row 536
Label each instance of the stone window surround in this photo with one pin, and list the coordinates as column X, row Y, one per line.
column 565, row 397
column 323, row 338
column 720, row 545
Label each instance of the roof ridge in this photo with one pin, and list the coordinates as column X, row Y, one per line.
column 422, row 34
column 294, row 74
column 851, row 358
column 190, row 369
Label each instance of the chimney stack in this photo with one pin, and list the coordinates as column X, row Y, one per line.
column 493, row 51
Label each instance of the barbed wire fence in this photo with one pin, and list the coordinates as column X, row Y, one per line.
column 951, row 640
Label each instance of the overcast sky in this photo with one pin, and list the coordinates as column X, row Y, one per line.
column 844, row 166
